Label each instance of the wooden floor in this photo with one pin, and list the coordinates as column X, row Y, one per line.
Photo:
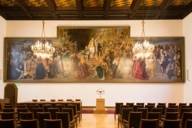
column 98, row 121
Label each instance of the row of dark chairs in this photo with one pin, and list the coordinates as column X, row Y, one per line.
column 47, row 123
column 69, row 113
column 149, row 111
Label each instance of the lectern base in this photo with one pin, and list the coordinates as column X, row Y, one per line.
column 100, row 112
column 100, row 106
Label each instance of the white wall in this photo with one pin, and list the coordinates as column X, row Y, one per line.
column 2, row 35
column 87, row 92
column 187, row 31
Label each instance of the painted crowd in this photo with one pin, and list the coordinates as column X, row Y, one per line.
column 104, row 58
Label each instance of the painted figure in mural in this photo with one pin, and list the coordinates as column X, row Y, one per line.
column 101, row 69
column 83, row 69
column 53, row 69
column 92, row 48
column 40, row 70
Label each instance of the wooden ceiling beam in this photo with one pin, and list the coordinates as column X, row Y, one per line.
column 188, row 9
column 52, row 7
column 134, row 6
column 22, row 5
column 106, row 5
column 80, row 7
column 165, row 4
column 3, row 14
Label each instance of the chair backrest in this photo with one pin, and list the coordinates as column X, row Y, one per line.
column 34, row 100
column 135, row 119
column 150, row 107
column 60, row 100
column 129, row 104
column 144, row 112
column 172, row 110
column 188, row 123
column 125, row 113
column 8, row 106
column 25, row 116
column 182, row 110
column 149, row 123
column 185, row 117
column 64, row 116
column 29, row 123
column 140, row 104
column 52, row 100
column 41, row 116
column 158, row 110
column 42, row 100
column 172, row 123
column 7, row 123
column 52, row 123
column 154, row 115
column 7, row 115
column 53, row 112
column 22, row 110
column 70, row 111
column 74, row 107
column 182, row 105
column 151, row 104
column 171, row 115
column 36, row 110
column 118, row 107
column 8, row 110
column 172, row 105
column 161, row 105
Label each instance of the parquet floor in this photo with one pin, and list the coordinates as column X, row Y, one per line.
column 98, row 121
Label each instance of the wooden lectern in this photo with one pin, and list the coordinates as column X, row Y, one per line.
column 100, row 105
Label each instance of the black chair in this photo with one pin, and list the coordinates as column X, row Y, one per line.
column 172, row 105
column 64, row 116
column 124, row 115
column 188, row 123
column 151, row 104
column 7, row 115
column 171, row 124
column 71, row 114
column 22, row 110
column 172, row 110
column 46, row 106
column 36, row 110
column 129, row 104
column 185, row 117
column 149, row 123
column 154, row 115
column 42, row 100
column 184, row 109
column 28, row 123
column 161, row 105
column 158, row 110
column 53, row 112
column 8, row 106
column 41, row 116
column 171, row 115
column 8, row 110
column 134, row 119
column 25, row 116
column 150, row 107
column 7, row 123
column 182, row 105
column 144, row 112
column 117, row 109
column 21, row 105
column 140, row 104
column 52, row 123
